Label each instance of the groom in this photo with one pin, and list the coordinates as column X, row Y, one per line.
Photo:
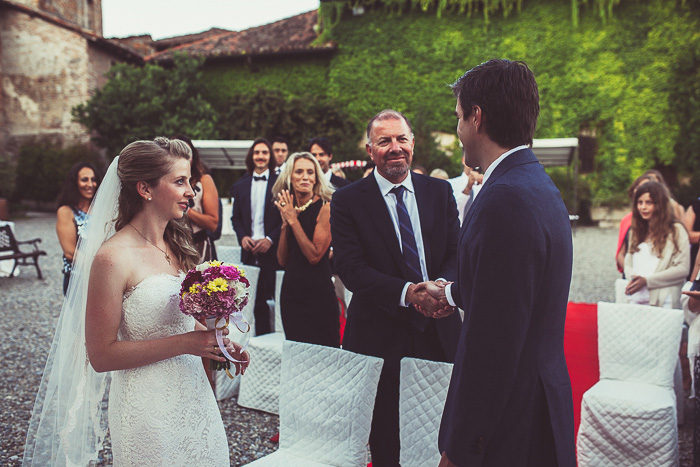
column 509, row 401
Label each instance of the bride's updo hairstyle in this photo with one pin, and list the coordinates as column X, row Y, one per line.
column 149, row 161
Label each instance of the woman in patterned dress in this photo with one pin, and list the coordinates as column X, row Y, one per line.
column 73, row 203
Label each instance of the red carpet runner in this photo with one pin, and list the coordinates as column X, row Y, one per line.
column 581, row 349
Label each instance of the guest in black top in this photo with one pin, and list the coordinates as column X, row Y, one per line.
column 308, row 303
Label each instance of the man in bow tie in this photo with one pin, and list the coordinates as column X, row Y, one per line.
column 257, row 224
column 392, row 231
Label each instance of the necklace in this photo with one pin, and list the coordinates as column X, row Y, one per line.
column 167, row 256
column 306, row 205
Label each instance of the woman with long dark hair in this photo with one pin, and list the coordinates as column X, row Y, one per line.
column 659, row 254
column 79, row 189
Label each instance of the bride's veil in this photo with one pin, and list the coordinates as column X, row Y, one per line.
column 69, row 422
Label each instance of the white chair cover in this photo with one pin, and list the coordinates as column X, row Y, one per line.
column 228, row 254
column 225, row 386
column 423, row 390
column 260, row 386
column 629, row 416
column 326, row 404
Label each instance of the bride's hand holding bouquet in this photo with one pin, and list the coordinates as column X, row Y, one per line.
column 217, row 292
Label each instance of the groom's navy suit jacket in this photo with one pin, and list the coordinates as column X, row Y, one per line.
column 509, row 401
column 368, row 258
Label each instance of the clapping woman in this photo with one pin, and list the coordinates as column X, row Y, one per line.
column 659, row 254
column 308, row 302
column 79, row 188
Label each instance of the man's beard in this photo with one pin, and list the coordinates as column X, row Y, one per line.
column 397, row 170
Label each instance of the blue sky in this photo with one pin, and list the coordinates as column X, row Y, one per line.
column 168, row 18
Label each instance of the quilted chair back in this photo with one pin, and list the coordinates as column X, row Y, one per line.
column 251, row 273
column 326, row 403
column 278, row 308
column 638, row 343
column 226, row 387
column 422, row 397
column 228, row 254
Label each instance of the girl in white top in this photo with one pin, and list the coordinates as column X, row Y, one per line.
column 659, row 255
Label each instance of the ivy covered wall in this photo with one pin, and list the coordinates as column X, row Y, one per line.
column 294, row 76
column 614, row 78
column 631, row 76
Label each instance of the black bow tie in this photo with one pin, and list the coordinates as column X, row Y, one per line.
column 259, row 178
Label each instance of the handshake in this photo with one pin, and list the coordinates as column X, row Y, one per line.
column 429, row 299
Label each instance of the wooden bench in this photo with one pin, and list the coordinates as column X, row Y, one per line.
column 9, row 249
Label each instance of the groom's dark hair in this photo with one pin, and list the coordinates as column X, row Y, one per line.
column 506, row 92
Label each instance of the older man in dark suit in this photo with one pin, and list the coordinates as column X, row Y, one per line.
column 509, row 402
column 392, row 231
column 257, row 224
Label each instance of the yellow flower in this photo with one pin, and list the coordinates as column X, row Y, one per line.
column 194, row 288
column 217, row 285
column 215, row 263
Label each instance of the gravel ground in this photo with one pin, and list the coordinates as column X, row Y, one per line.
column 30, row 308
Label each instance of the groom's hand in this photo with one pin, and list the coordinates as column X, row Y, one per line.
column 437, row 291
column 418, row 296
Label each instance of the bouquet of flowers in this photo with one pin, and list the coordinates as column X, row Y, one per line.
column 216, row 292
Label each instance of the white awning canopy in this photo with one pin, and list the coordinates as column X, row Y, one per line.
column 223, row 154
column 555, row 151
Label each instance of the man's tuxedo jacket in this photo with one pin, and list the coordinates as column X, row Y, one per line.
column 242, row 219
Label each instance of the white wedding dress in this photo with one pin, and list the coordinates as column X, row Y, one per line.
column 164, row 413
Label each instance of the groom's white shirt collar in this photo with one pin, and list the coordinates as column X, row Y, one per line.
column 500, row 159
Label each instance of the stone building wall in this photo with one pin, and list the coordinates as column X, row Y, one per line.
column 43, row 74
column 86, row 14
column 100, row 63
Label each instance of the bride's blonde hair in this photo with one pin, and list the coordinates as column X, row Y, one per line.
column 149, row 161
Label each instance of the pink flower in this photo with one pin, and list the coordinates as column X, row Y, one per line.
column 202, row 302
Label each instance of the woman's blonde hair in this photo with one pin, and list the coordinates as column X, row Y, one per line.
column 149, row 161
column 322, row 188
column 662, row 223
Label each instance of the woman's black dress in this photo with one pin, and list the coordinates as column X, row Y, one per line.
column 308, row 303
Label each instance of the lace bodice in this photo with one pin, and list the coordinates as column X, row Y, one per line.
column 163, row 413
column 151, row 309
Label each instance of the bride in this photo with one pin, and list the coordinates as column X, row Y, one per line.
column 121, row 315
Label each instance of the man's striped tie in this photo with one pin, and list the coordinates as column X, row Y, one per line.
column 408, row 239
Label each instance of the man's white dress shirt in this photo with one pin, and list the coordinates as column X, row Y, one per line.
column 409, row 200
column 258, row 190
